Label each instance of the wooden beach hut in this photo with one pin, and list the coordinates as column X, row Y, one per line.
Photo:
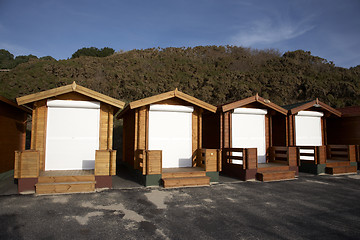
column 71, row 141
column 252, row 135
column 12, row 132
column 307, row 124
column 345, row 130
column 162, row 140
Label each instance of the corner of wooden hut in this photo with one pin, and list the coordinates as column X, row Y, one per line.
column 308, row 128
column 71, row 141
column 253, row 138
column 150, row 133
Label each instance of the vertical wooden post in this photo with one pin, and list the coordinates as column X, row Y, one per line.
column 286, row 132
column 221, row 114
column 352, row 153
column 110, row 128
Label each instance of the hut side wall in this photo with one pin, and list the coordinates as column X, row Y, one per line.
column 12, row 134
column 211, row 131
column 345, row 130
column 279, row 130
column 129, row 138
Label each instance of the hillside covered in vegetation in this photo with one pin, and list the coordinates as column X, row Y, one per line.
column 215, row 74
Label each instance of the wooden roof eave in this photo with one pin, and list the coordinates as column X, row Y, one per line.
column 253, row 99
column 14, row 104
column 315, row 103
column 67, row 89
column 165, row 96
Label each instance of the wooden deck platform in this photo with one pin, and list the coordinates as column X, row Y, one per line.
column 66, row 173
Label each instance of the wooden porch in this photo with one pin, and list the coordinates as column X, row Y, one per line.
column 205, row 161
column 243, row 163
column 330, row 159
column 28, row 168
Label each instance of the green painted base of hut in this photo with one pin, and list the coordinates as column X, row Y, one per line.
column 312, row 168
column 355, row 164
column 214, row 176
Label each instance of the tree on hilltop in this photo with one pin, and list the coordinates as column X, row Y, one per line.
column 93, row 52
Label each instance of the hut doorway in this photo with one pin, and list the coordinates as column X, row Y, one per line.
column 308, row 128
column 248, row 130
column 72, row 134
column 170, row 130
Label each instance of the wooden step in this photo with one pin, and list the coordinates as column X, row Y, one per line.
column 341, row 169
column 275, row 176
column 274, row 169
column 337, row 164
column 183, row 174
column 186, row 181
column 65, row 187
column 61, row 179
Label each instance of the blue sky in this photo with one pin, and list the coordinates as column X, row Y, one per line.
column 328, row 28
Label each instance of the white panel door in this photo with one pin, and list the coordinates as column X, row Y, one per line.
column 248, row 131
column 170, row 130
column 72, row 136
column 308, row 128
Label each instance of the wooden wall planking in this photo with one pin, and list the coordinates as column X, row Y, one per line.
column 211, row 133
column 38, row 136
column 142, row 123
column 27, row 164
column 267, row 136
column 12, row 134
column 106, row 126
column 344, row 130
column 154, row 160
column 105, row 162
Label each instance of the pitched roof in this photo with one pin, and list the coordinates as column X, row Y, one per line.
column 294, row 105
column 67, row 89
column 14, row 104
column 256, row 98
column 165, row 96
column 350, row 111
column 297, row 107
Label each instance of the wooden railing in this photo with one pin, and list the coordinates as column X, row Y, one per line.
column 105, row 162
column 148, row 161
column 211, row 160
column 341, row 152
column 316, row 154
column 247, row 157
column 286, row 155
column 26, row 164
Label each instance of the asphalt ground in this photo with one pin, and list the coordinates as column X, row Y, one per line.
column 309, row 207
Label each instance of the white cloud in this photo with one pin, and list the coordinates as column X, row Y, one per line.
column 269, row 31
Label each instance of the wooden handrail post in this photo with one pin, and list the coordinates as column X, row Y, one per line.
column 352, row 153
column 245, row 158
